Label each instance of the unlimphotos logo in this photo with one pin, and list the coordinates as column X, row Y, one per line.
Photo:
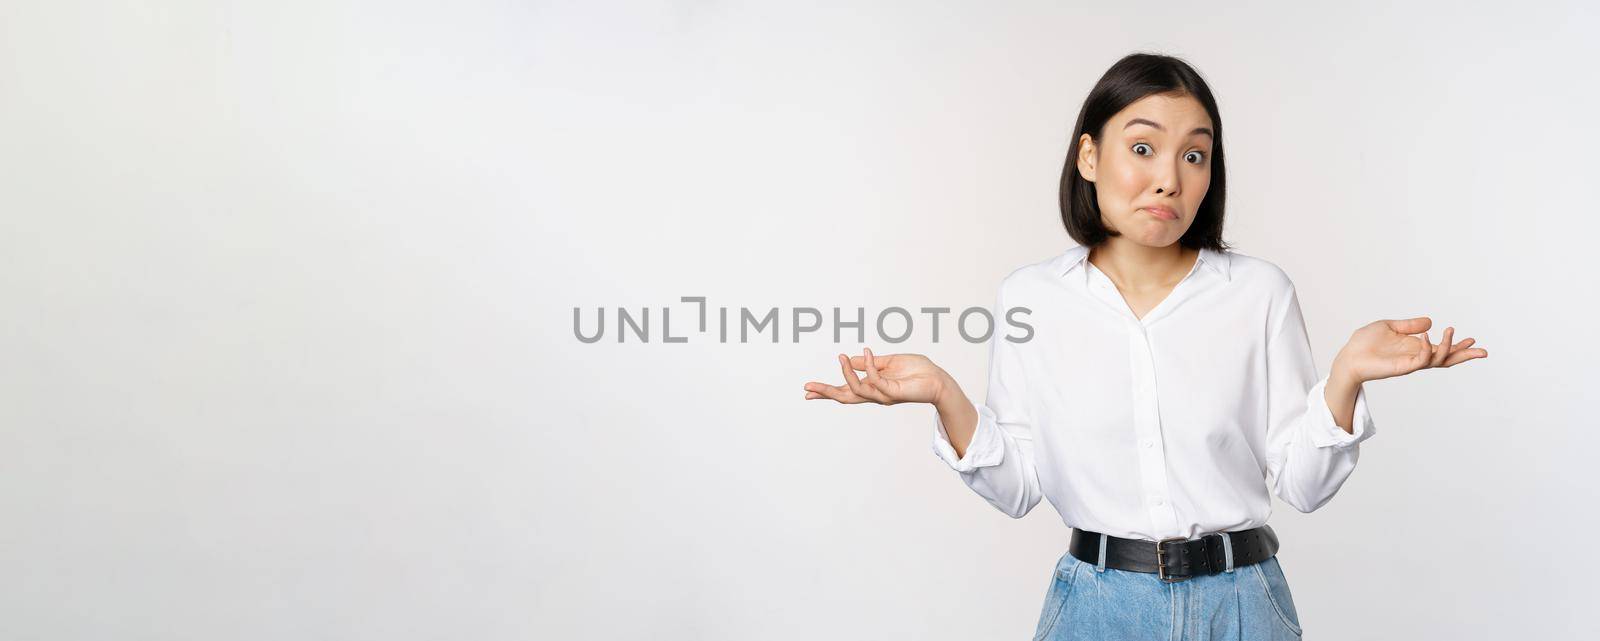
column 893, row 324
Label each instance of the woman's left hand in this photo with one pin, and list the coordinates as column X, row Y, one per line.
column 1387, row 348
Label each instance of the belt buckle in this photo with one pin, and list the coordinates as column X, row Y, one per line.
column 1161, row 562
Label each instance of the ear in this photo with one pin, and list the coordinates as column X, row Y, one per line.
column 1086, row 157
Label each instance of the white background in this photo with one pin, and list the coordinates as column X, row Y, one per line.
column 286, row 348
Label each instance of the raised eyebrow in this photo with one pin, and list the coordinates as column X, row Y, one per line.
column 1141, row 121
column 1157, row 125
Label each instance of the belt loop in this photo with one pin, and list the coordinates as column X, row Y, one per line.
column 1100, row 566
column 1227, row 550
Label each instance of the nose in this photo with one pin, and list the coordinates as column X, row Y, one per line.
column 1166, row 179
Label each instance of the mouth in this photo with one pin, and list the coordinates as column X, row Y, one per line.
column 1161, row 212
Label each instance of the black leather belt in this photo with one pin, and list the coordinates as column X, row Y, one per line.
column 1175, row 560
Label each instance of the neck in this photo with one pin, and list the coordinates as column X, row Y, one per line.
column 1136, row 266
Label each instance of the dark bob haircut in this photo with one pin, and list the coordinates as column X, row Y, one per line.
column 1132, row 78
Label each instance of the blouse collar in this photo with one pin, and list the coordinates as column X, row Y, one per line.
column 1212, row 259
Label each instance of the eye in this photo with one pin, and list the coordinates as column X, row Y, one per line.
column 1194, row 157
column 1148, row 151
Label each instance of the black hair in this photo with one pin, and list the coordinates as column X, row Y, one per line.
column 1126, row 82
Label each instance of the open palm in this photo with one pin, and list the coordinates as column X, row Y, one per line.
column 1387, row 348
column 891, row 378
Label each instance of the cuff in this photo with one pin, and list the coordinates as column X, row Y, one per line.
column 986, row 449
column 1327, row 433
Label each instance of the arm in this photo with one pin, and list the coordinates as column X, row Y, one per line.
column 1312, row 446
column 956, row 414
column 1340, row 395
column 991, row 445
column 1310, row 450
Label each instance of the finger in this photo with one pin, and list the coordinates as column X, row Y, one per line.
column 873, row 381
column 838, row 393
column 876, row 380
column 1410, row 325
column 1461, row 344
column 843, row 394
column 856, row 386
column 1443, row 349
column 884, row 361
column 1464, row 356
column 1421, row 351
column 817, row 388
column 849, row 375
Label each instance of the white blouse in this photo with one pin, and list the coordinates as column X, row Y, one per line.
column 1174, row 425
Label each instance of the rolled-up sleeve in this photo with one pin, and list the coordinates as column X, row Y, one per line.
column 1309, row 455
column 999, row 463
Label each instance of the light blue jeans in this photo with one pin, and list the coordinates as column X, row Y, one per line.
column 1089, row 601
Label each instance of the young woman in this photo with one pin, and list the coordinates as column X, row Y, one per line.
column 1168, row 388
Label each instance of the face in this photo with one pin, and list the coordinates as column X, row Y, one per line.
column 1151, row 167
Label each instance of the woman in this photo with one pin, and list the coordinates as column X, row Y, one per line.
column 1168, row 389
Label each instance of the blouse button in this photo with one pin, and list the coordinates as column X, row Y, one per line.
column 1147, row 443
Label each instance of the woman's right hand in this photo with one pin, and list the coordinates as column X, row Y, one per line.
column 891, row 378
